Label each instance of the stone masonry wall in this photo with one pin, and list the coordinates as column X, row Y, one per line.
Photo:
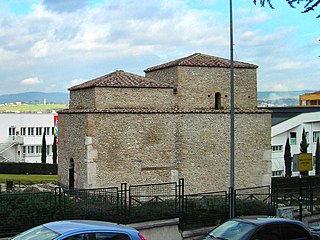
column 166, row 75
column 152, row 98
column 152, row 148
column 72, row 135
column 197, row 86
column 82, row 99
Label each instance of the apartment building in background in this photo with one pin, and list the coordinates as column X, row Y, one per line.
column 289, row 123
column 310, row 99
column 21, row 136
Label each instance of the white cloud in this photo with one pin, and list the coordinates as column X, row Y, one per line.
column 31, row 81
column 82, row 42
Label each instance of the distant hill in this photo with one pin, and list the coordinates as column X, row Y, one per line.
column 280, row 98
column 36, row 97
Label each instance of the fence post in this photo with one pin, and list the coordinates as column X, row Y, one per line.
column 181, row 204
column 123, row 203
column 300, row 198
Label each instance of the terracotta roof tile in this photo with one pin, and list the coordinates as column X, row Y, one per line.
column 201, row 60
column 121, row 79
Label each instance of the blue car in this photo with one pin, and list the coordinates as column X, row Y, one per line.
column 80, row 230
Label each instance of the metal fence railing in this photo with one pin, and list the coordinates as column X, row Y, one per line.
column 254, row 201
column 137, row 203
column 204, row 209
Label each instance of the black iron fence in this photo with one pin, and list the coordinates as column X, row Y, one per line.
column 137, row 203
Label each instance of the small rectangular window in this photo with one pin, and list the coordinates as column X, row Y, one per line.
column 293, row 138
column 38, row 149
column 38, row 131
column 12, row 131
column 23, row 131
column 276, row 148
column 31, row 149
column 47, row 130
column 316, row 135
column 30, row 131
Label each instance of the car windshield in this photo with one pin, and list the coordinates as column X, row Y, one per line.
column 37, row 233
column 231, row 230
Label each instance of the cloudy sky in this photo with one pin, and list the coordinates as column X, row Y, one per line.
column 51, row 45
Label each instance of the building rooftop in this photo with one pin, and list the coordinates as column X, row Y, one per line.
column 120, row 78
column 201, row 60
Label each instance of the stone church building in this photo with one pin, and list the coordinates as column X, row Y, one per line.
column 173, row 123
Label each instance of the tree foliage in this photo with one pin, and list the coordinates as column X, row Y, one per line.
column 309, row 5
column 304, row 149
column 287, row 159
column 304, row 144
column 44, row 149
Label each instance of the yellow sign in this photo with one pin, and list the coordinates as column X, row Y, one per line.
column 305, row 162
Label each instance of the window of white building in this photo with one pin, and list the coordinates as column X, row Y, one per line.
column 38, row 131
column 23, row 131
column 24, row 150
column 47, row 130
column 31, row 149
column 48, row 150
column 276, row 148
column 12, row 131
column 316, row 135
column 293, row 138
column 30, row 131
column 38, row 149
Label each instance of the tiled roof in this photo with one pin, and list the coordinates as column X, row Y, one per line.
column 121, row 79
column 312, row 93
column 202, row 60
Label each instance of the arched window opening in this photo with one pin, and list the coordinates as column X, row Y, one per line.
column 217, row 101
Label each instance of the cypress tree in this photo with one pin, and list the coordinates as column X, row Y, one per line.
column 287, row 159
column 54, row 150
column 318, row 158
column 304, row 149
column 44, row 149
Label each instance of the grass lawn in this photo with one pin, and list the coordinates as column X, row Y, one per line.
column 27, row 179
column 33, row 107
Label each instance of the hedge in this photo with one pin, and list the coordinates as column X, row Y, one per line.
column 28, row 168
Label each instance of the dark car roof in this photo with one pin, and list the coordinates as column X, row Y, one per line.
column 65, row 226
column 263, row 221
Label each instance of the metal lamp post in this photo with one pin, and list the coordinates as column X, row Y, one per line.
column 231, row 189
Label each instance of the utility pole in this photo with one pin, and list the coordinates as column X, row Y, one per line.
column 231, row 189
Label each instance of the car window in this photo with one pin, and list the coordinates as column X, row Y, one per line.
column 295, row 232
column 268, row 232
column 37, row 233
column 111, row 236
column 84, row 236
column 235, row 230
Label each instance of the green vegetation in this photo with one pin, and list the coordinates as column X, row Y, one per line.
column 27, row 179
column 32, row 107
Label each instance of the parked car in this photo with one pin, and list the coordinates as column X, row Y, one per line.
column 80, row 230
column 261, row 229
column 315, row 230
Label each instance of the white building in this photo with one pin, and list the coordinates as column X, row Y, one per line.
column 292, row 128
column 21, row 136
